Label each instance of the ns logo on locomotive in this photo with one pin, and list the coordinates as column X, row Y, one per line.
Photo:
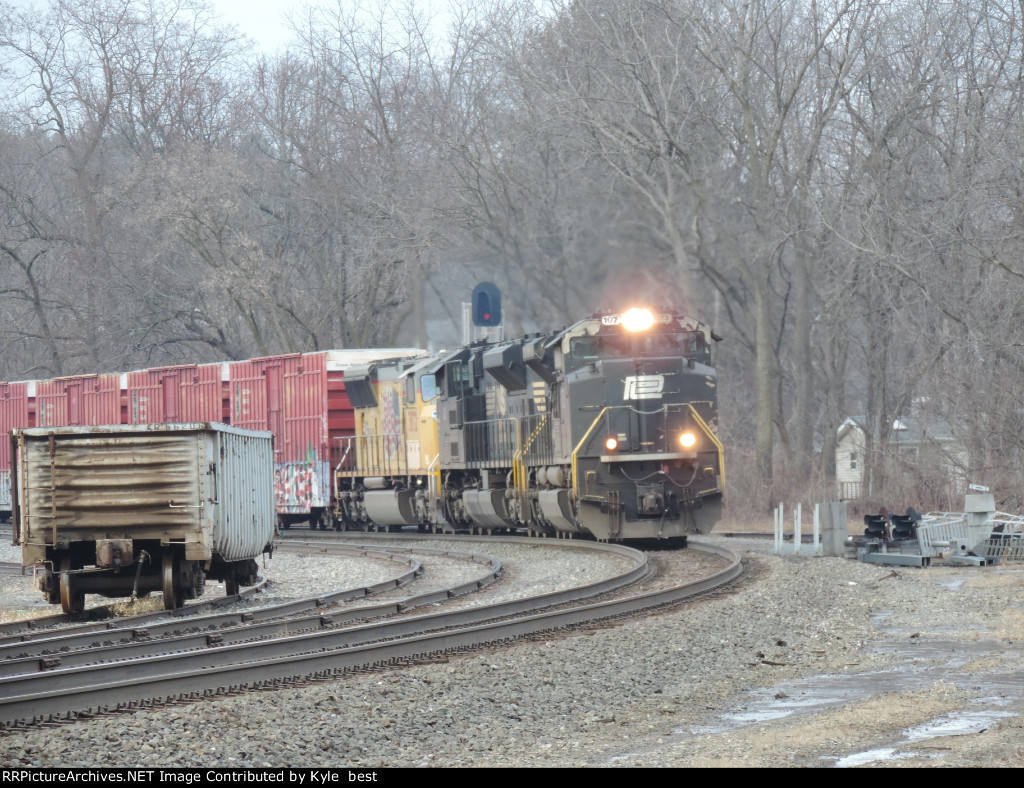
column 605, row 428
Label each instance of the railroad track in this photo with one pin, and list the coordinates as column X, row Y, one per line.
column 104, row 617
column 158, row 632
column 216, row 667
column 10, row 568
column 125, row 639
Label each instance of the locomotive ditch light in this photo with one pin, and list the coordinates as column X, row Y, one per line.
column 611, row 443
column 636, row 319
column 687, row 440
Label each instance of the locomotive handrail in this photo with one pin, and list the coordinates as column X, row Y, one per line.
column 576, row 451
column 476, row 433
column 518, row 462
column 434, row 485
column 714, row 439
column 380, row 461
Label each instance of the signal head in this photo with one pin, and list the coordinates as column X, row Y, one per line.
column 486, row 305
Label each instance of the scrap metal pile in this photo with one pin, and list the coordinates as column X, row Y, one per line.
column 978, row 536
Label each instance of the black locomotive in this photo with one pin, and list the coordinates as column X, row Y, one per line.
column 605, row 428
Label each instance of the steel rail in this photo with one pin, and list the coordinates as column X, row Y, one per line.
column 150, row 625
column 245, row 627
column 324, row 655
column 41, row 628
column 88, row 664
column 98, row 619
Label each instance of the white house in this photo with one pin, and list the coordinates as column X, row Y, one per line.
column 909, row 440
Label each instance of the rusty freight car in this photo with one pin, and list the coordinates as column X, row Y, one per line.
column 124, row 510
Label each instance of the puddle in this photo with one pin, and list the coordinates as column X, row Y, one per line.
column 960, row 724
column 919, row 662
column 922, row 662
column 880, row 619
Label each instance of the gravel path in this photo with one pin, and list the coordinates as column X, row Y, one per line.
column 809, row 662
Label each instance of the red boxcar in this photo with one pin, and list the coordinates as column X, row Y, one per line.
column 14, row 412
column 299, row 397
column 194, row 393
column 83, row 400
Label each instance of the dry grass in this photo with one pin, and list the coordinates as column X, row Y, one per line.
column 851, row 729
column 986, row 663
column 1010, row 625
column 134, row 607
column 995, row 578
column 759, row 524
column 765, row 523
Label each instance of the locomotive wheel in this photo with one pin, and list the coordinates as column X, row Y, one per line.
column 174, row 597
column 71, row 599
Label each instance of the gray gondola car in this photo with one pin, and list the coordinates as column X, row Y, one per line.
column 124, row 510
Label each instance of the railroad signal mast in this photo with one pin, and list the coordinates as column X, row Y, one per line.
column 481, row 318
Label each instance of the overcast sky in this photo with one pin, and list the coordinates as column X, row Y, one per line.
column 261, row 20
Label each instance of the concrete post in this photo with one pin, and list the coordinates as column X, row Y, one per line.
column 833, row 528
column 978, row 509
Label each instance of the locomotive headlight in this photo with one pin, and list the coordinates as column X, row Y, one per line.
column 611, row 443
column 687, row 440
column 637, row 319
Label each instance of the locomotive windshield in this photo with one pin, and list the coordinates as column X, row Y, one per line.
column 586, row 349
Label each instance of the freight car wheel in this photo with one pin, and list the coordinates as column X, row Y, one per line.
column 231, row 586
column 174, row 597
column 71, row 599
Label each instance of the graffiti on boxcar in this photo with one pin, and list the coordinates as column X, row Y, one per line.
column 301, row 485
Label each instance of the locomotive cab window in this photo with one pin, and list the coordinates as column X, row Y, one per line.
column 670, row 344
column 428, row 387
column 694, row 343
column 458, row 378
column 582, row 351
column 658, row 344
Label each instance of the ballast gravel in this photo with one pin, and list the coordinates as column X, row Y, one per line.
column 806, row 662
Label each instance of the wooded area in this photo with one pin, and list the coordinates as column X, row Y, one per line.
column 835, row 187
